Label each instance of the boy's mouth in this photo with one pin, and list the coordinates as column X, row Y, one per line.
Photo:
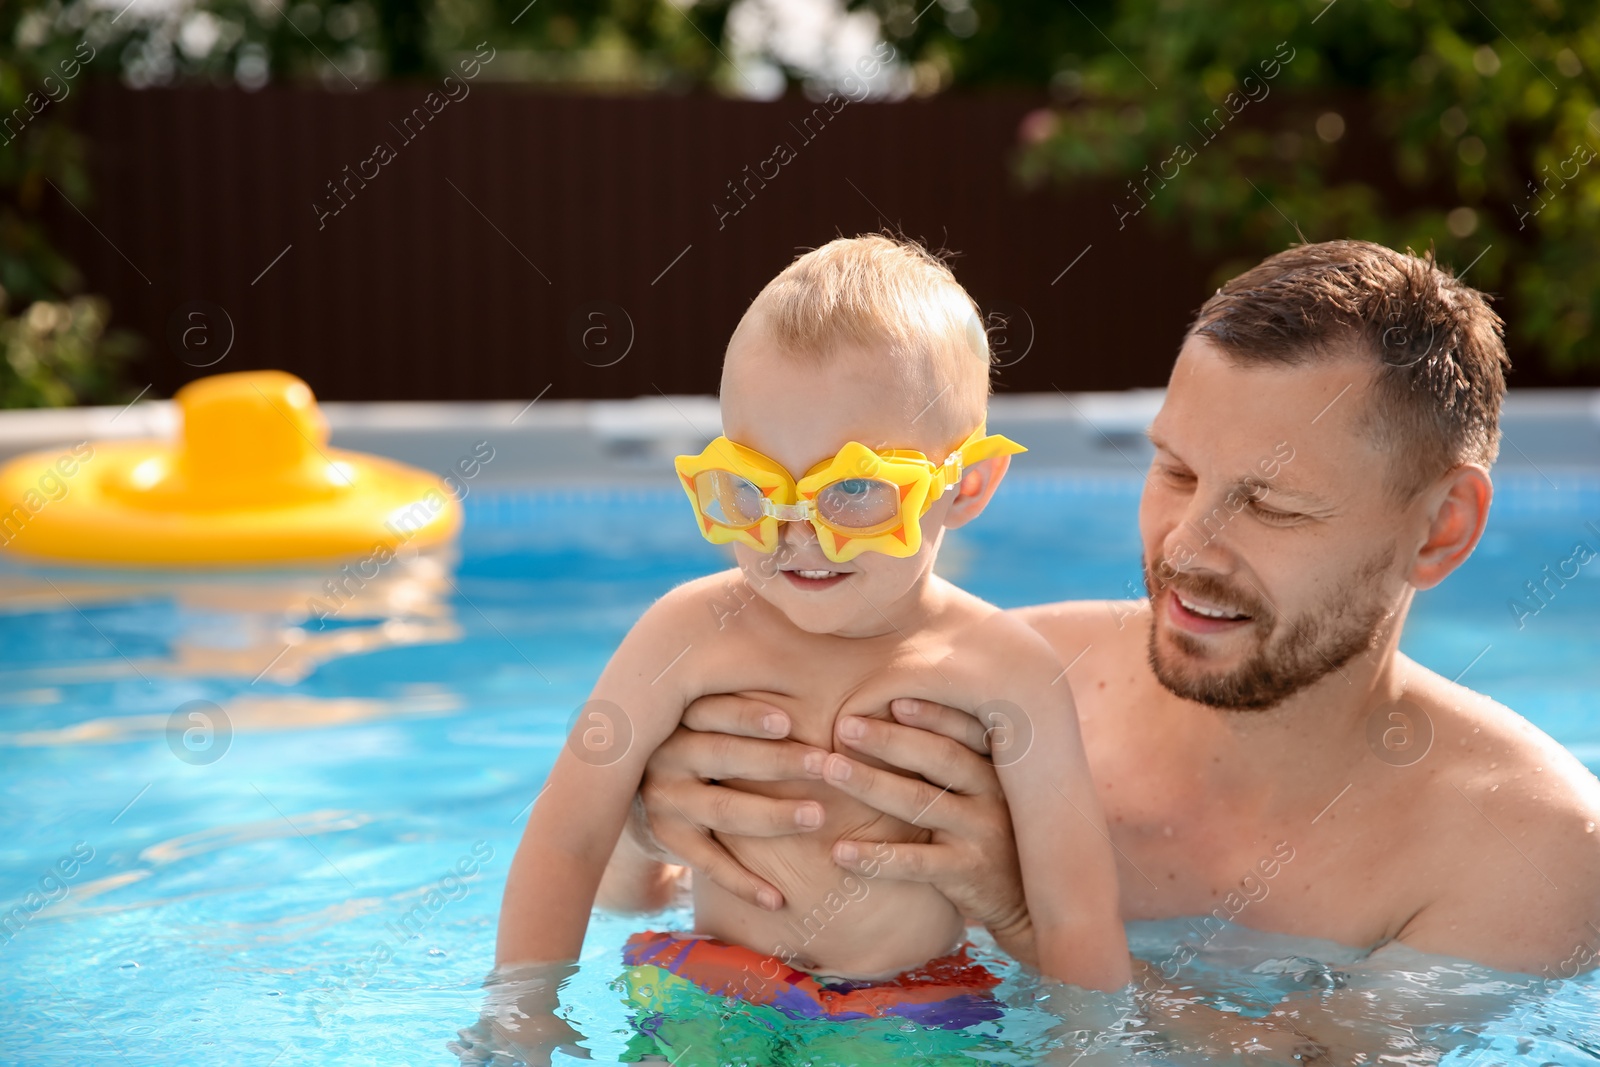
column 813, row 578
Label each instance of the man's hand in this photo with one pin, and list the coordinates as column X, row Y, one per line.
column 725, row 736
column 972, row 858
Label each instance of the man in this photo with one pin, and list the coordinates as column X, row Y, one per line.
column 1322, row 454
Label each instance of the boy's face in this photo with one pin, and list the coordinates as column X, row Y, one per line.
column 799, row 412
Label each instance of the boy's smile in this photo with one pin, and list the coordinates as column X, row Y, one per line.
column 812, row 580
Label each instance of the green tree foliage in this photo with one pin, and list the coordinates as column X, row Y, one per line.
column 57, row 353
column 1470, row 126
column 349, row 44
column 54, row 349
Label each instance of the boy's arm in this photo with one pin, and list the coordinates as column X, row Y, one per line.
column 681, row 805
column 580, row 813
column 637, row 881
column 1069, row 873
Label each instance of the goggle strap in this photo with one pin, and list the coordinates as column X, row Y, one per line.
column 975, row 449
column 949, row 475
column 987, row 448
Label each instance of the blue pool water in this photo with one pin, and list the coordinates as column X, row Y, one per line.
column 316, row 880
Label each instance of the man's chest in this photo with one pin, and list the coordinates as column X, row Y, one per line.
column 1332, row 866
column 1336, row 869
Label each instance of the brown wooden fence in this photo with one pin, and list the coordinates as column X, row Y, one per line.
column 600, row 247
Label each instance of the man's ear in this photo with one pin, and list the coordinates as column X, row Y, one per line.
column 1457, row 510
column 978, row 483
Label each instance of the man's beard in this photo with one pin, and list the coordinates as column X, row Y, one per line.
column 1305, row 651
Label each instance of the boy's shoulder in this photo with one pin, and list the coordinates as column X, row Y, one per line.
column 693, row 596
column 692, row 614
column 981, row 627
column 700, row 604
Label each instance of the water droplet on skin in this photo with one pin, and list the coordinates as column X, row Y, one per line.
column 1493, row 765
column 1494, row 789
column 1538, row 770
column 1588, row 828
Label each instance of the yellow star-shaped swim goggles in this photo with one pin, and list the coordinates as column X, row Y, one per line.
column 861, row 500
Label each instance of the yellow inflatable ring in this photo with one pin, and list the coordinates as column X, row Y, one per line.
column 249, row 481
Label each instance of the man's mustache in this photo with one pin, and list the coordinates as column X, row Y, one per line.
column 1212, row 590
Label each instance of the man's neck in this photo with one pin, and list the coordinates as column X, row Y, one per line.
column 1289, row 754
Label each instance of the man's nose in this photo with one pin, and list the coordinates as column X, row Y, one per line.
column 1202, row 538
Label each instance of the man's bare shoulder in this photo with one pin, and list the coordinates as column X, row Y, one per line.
column 1484, row 745
column 1077, row 623
column 967, row 617
column 1516, row 834
column 994, row 644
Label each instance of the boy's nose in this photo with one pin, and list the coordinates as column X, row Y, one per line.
column 796, row 537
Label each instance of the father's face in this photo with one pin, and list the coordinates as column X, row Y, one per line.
column 1270, row 544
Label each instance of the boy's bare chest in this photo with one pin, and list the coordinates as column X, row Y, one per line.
column 816, row 686
column 817, row 701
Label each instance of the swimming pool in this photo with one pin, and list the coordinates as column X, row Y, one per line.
column 314, row 877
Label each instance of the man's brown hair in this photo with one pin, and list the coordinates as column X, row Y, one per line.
column 1437, row 344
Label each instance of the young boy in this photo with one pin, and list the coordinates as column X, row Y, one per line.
column 854, row 394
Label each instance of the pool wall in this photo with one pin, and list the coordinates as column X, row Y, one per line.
column 621, row 442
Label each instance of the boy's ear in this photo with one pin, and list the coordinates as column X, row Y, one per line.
column 978, row 483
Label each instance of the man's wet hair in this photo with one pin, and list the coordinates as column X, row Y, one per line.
column 1438, row 347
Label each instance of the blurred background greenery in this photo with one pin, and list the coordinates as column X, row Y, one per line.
column 1467, row 126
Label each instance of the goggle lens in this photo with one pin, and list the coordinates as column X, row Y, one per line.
column 727, row 499
column 859, row 505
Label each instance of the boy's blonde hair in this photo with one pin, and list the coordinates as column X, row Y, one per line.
column 876, row 290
